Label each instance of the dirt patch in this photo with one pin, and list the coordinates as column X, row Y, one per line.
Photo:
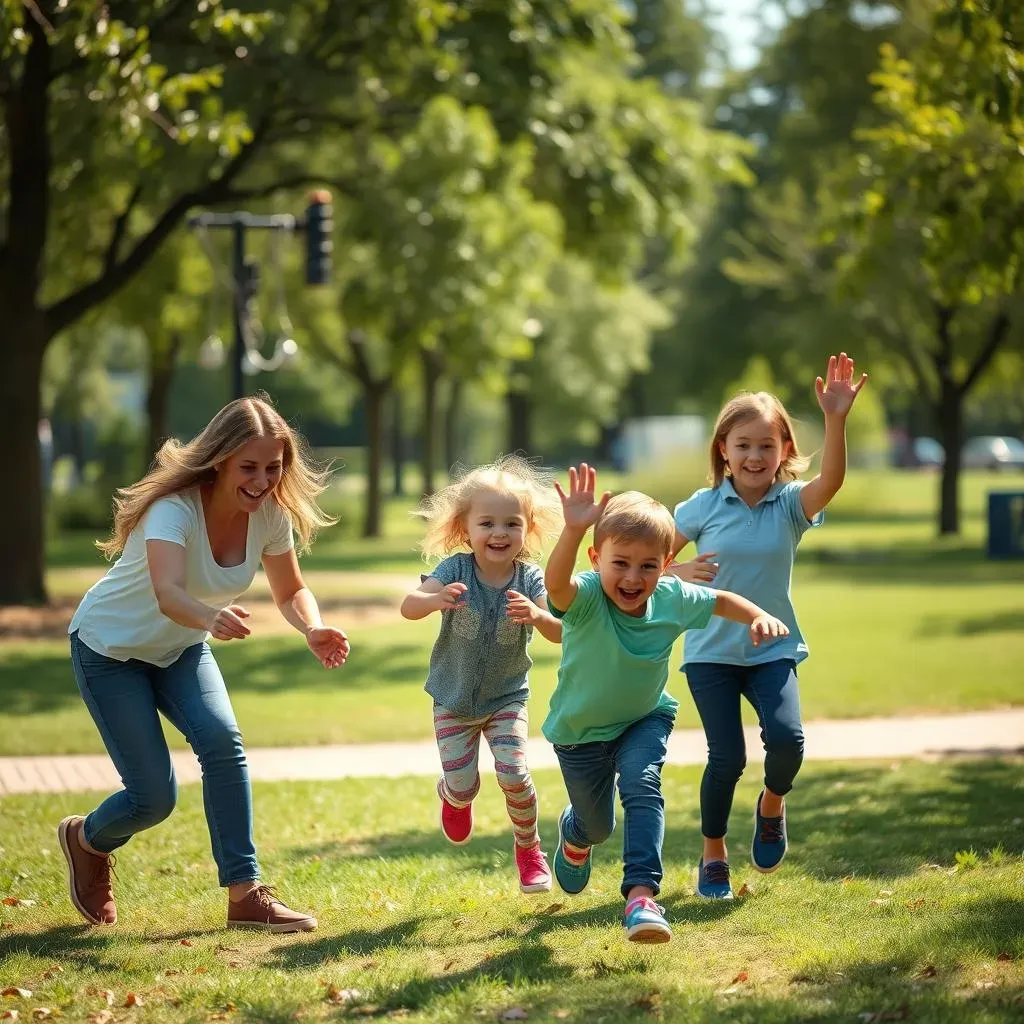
column 50, row 622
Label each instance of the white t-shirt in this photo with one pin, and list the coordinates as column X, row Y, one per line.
column 119, row 617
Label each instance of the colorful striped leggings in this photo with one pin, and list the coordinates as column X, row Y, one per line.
column 458, row 741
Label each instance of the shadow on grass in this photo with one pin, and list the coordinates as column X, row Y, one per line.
column 86, row 946
column 860, row 820
column 34, row 682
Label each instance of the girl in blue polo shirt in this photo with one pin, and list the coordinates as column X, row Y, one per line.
column 750, row 522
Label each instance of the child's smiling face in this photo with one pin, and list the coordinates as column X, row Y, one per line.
column 753, row 450
column 496, row 526
column 629, row 571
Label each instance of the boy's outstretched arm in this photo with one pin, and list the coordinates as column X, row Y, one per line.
column 431, row 596
column 738, row 609
column 836, row 395
column 580, row 512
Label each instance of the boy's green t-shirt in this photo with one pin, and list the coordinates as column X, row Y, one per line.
column 615, row 666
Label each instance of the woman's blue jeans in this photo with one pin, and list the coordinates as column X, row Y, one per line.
column 124, row 698
column 772, row 690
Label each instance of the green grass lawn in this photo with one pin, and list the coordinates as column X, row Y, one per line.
column 898, row 622
column 903, row 894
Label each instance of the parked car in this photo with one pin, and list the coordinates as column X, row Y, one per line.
column 993, row 453
column 919, row 453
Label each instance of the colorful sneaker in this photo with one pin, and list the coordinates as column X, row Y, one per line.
column 88, row 874
column 261, row 909
column 534, row 873
column 713, row 880
column 768, row 847
column 456, row 822
column 644, row 921
column 572, row 873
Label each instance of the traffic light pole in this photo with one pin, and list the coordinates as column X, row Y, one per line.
column 245, row 273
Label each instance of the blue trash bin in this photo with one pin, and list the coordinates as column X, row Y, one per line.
column 1006, row 524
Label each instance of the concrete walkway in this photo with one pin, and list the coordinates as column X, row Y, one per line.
column 977, row 734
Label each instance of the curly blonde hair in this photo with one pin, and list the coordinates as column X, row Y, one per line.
column 749, row 405
column 509, row 475
column 180, row 467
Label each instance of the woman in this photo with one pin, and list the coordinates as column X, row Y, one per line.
column 191, row 535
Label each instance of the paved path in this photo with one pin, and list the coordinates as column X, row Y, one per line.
column 977, row 733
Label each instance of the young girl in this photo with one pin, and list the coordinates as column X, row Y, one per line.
column 190, row 535
column 751, row 521
column 490, row 597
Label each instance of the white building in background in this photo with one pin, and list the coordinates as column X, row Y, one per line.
column 656, row 439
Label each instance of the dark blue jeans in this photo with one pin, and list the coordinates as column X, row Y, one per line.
column 771, row 688
column 589, row 771
column 124, row 698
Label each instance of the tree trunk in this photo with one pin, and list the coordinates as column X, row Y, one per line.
column 950, row 414
column 451, row 424
column 22, row 533
column 161, row 373
column 520, row 421
column 397, row 445
column 374, row 396
column 428, row 439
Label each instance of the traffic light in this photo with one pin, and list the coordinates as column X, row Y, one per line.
column 319, row 243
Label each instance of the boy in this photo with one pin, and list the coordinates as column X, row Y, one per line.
column 610, row 713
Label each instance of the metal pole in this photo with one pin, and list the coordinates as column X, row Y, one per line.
column 241, row 304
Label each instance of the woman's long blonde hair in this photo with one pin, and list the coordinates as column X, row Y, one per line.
column 750, row 405
column 510, row 475
column 180, row 467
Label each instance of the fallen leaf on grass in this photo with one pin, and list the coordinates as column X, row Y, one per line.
column 17, row 993
column 650, row 1003
column 107, row 995
column 14, row 901
column 42, row 1012
column 51, row 971
column 1006, row 957
column 448, row 966
column 731, row 990
column 515, row 1013
column 927, row 972
column 742, row 976
column 186, row 942
column 984, row 984
column 9, row 1015
column 101, row 1017
column 133, row 999
column 341, row 995
column 171, row 972
column 552, row 908
column 201, row 970
column 744, row 890
column 235, row 963
column 916, row 904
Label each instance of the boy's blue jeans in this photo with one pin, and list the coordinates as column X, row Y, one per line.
column 589, row 771
column 771, row 688
column 124, row 698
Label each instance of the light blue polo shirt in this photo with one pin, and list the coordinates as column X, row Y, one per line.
column 755, row 549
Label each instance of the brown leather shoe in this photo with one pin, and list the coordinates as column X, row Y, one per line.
column 88, row 874
column 262, row 909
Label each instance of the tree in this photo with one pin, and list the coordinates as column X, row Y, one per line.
column 941, row 182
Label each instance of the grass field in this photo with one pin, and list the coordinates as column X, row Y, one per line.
column 902, row 896
column 898, row 622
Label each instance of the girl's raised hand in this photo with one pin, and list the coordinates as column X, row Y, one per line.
column 837, row 392
column 448, row 598
column 579, row 508
column 330, row 646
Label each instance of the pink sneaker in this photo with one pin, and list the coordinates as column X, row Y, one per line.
column 456, row 822
column 534, row 873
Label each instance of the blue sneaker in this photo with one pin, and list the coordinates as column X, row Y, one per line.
column 768, row 846
column 713, row 880
column 571, row 877
column 644, row 921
